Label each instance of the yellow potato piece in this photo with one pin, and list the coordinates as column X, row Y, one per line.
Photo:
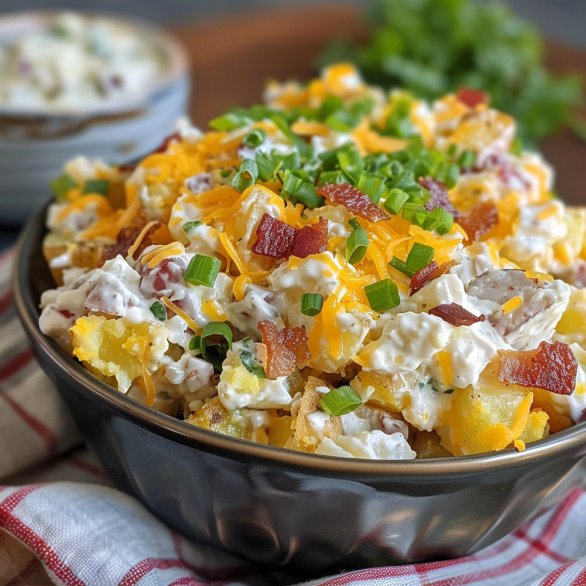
column 490, row 419
column 390, row 391
column 113, row 348
column 215, row 417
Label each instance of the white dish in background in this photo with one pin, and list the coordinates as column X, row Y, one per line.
column 35, row 145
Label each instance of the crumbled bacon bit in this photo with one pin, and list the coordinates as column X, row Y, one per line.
column 456, row 315
column 480, row 220
column 274, row 238
column 429, row 273
column 280, row 240
column 66, row 313
column 311, row 239
column 353, row 200
column 176, row 136
column 439, row 195
column 472, row 97
column 286, row 349
column 552, row 367
column 124, row 240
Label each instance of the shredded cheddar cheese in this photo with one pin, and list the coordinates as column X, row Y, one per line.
column 511, row 304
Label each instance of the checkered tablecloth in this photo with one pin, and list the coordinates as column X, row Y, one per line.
column 62, row 522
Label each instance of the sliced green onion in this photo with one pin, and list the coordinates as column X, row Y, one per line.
column 451, row 176
column 350, row 161
column 189, row 226
column 312, row 168
column 439, row 220
column 415, row 213
column 467, row 160
column 159, row 311
column 297, row 190
column 254, row 138
column 62, row 185
column 249, row 361
column 246, row 176
column 340, row 401
column 304, row 149
column 330, row 158
column 195, row 343
column 100, row 186
column 383, row 295
column 216, row 353
column 330, row 105
column 202, row 270
column 372, row 186
column 400, row 265
column 230, row 121
column 419, row 257
column 399, row 119
column 357, row 243
column 311, row 304
column 335, row 177
column 268, row 166
column 342, row 120
column 395, row 201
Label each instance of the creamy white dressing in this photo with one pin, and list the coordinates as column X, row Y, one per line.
column 371, row 445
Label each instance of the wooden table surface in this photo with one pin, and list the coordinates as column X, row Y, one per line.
column 232, row 57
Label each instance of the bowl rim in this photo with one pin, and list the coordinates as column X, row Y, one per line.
column 162, row 39
column 571, row 439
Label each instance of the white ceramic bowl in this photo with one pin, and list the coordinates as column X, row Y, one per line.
column 35, row 145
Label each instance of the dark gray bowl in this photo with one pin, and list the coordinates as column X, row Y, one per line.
column 308, row 514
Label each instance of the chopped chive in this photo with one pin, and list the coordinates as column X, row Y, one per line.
column 267, row 166
column 304, row 149
column 419, row 257
column 340, row 401
column 62, row 185
column 451, row 176
column 254, row 138
column 216, row 353
column 395, row 201
column 297, row 190
column 202, row 270
column 159, row 311
column 311, row 304
column 357, row 243
column 189, row 226
column 330, row 105
column 335, row 177
column 195, row 343
column 246, row 176
column 100, row 186
column 249, row 361
column 383, row 295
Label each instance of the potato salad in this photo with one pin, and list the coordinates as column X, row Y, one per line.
column 339, row 271
column 76, row 62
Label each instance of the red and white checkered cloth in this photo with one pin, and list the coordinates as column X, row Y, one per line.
column 79, row 531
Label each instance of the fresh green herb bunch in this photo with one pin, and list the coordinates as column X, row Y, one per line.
column 432, row 47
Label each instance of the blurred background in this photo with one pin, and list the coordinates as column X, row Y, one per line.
column 558, row 19
column 234, row 46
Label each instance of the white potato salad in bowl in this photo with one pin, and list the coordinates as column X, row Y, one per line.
column 340, row 271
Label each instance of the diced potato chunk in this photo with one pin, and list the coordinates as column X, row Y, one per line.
column 112, row 348
column 215, row 417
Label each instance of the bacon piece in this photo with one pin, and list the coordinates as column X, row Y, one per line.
column 552, row 367
column 353, row 200
column 176, row 136
column 429, row 273
column 280, row 240
column 66, row 313
column 456, row 315
column 439, row 195
column 311, row 239
column 274, row 238
column 480, row 220
column 124, row 240
column 472, row 97
column 286, row 349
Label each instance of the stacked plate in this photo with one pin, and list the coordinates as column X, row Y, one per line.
column 34, row 145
